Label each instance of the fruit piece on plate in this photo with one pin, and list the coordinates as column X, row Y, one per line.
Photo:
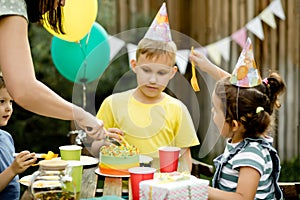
column 49, row 155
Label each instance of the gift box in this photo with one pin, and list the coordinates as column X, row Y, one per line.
column 166, row 186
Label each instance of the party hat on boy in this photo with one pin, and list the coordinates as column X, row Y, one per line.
column 245, row 73
column 160, row 28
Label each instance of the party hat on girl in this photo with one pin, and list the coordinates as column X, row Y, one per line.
column 160, row 28
column 246, row 73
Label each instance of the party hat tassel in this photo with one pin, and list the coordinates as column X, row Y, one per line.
column 194, row 81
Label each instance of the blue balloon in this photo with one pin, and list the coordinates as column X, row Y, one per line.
column 85, row 60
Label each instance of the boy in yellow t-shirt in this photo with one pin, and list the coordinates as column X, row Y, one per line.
column 148, row 117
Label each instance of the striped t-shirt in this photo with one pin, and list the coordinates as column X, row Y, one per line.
column 253, row 155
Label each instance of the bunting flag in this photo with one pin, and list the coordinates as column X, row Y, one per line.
column 240, row 36
column 268, row 17
column 223, row 47
column 182, row 58
column 256, row 28
column 131, row 49
column 219, row 49
column 116, row 45
column 214, row 54
column 277, row 9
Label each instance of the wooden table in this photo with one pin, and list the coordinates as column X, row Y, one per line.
column 89, row 182
column 113, row 186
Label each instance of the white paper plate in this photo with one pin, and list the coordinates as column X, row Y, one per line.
column 145, row 159
column 37, row 155
column 39, row 184
column 97, row 171
column 86, row 160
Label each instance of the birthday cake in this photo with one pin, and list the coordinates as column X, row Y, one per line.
column 116, row 160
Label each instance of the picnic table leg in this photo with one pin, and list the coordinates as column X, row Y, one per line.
column 129, row 189
column 112, row 186
column 89, row 183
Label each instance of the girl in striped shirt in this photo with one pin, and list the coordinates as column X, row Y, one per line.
column 249, row 167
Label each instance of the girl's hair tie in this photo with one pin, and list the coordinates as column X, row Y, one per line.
column 259, row 109
column 265, row 80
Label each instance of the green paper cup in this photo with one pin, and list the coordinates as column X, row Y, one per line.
column 76, row 168
column 70, row 152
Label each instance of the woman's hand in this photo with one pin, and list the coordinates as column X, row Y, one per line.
column 89, row 123
column 202, row 62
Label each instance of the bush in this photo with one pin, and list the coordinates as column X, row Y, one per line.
column 290, row 170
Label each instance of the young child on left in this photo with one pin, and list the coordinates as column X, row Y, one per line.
column 10, row 167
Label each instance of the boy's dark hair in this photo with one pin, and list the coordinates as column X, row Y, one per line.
column 37, row 8
column 241, row 104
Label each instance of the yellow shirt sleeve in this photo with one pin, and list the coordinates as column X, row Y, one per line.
column 106, row 114
column 185, row 133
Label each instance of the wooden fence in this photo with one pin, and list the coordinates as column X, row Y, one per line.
column 208, row 21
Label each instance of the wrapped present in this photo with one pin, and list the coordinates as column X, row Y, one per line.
column 171, row 186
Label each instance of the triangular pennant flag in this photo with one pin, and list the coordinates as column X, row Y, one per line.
column 214, row 54
column 267, row 16
column 131, row 49
column 255, row 27
column 240, row 36
column 277, row 9
column 246, row 73
column 223, row 47
column 160, row 29
column 116, row 45
column 182, row 57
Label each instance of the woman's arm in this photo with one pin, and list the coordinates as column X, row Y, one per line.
column 246, row 186
column 205, row 65
column 18, row 73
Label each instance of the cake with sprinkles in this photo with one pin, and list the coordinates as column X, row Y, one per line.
column 116, row 160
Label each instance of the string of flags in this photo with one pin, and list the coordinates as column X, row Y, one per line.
column 221, row 48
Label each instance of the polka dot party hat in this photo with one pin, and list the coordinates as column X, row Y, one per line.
column 246, row 73
column 160, row 28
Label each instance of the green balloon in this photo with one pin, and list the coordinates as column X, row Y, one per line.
column 85, row 60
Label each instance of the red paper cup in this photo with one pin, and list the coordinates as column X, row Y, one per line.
column 138, row 174
column 168, row 158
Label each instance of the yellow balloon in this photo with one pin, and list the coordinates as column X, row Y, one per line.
column 78, row 19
